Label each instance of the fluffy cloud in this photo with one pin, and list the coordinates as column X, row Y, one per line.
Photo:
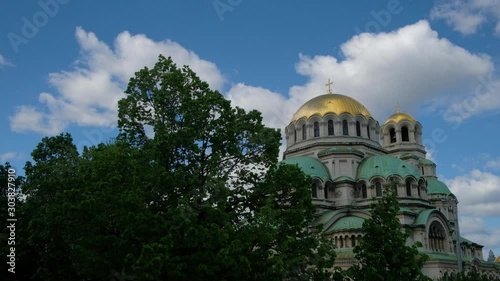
column 8, row 156
column 410, row 66
column 4, row 61
column 493, row 164
column 477, row 192
column 88, row 94
column 466, row 16
column 479, row 202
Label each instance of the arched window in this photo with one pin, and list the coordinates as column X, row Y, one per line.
column 294, row 136
column 358, row 129
column 316, row 129
column 408, row 188
column 330, row 128
column 378, row 189
column 353, row 241
column 437, row 237
column 418, row 190
column 314, row 190
column 422, row 170
column 304, row 133
column 341, row 242
column 404, row 134
column 368, row 131
column 364, row 192
column 392, row 134
column 325, row 190
column 345, row 128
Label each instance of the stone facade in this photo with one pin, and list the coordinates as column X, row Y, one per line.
column 351, row 158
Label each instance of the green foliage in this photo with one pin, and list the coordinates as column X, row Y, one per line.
column 382, row 252
column 190, row 190
column 468, row 276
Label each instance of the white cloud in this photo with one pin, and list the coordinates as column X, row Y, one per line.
column 411, row 66
column 477, row 230
column 4, row 61
column 8, row 156
column 88, row 94
column 479, row 200
column 477, row 192
column 467, row 16
column 493, row 164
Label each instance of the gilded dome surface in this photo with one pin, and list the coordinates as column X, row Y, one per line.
column 400, row 116
column 331, row 103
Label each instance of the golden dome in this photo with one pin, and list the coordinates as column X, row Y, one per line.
column 330, row 103
column 497, row 259
column 400, row 116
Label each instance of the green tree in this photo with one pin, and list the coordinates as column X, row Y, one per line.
column 382, row 253
column 190, row 190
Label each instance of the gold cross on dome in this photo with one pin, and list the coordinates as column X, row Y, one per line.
column 328, row 85
column 397, row 107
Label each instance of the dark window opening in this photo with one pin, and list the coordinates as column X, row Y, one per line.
column 326, row 191
column 368, row 131
column 314, row 190
column 304, row 133
column 408, row 188
column 418, row 189
column 378, row 189
column 294, row 135
column 404, row 134
column 316, row 129
column 358, row 129
column 392, row 134
column 364, row 191
column 345, row 128
column 330, row 128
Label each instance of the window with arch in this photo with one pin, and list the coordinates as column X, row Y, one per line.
column 358, row 129
column 378, row 189
column 353, row 241
column 368, row 131
column 345, row 128
column 304, row 133
column 325, row 191
column 316, row 129
column 364, row 192
column 392, row 135
column 294, row 136
column 330, row 128
column 437, row 237
column 314, row 190
column 408, row 188
column 404, row 134
column 418, row 190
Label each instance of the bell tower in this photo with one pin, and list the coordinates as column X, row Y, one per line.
column 402, row 134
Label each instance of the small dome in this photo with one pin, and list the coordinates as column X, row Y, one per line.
column 347, row 223
column 497, row 259
column 435, row 186
column 310, row 166
column 398, row 117
column 385, row 166
column 331, row 103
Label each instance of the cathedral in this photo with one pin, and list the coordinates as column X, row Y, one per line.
column 350, row 157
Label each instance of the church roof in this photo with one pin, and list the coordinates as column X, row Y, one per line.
column 424, row 161
column 310, row 166
column 435, row 186
column 385, row 166
column 398, row 117
column 347, row 223
column 330, row 103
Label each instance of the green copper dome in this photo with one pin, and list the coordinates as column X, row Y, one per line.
column 310, row 166
column 347, row 223
column 435, row 186
column 385, row 166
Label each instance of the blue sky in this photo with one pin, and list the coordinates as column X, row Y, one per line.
column 65, row 63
